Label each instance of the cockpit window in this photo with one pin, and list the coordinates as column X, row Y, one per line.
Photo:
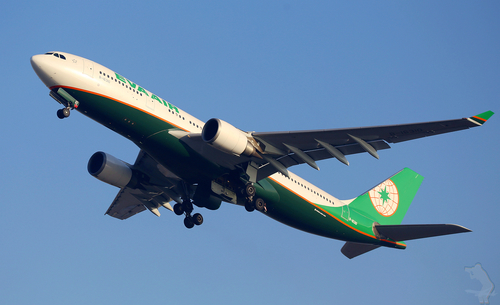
column 56, row 55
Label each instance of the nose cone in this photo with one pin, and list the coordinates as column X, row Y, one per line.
column 36, row 62
column 43, row 68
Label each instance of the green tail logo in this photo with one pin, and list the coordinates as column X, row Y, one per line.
column 388, row 202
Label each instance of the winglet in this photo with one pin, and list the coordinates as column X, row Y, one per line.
column 480, row 119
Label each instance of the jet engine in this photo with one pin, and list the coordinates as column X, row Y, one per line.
column 111, row 170
column 227, row 138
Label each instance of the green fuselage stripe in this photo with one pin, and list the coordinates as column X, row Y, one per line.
column 303, row 214
column 151, row 133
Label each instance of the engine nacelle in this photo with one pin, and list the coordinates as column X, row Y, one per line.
column 227, row 138
column 111, row 170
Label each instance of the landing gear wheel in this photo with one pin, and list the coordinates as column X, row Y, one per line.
column 63, row 113
column 60, row 114
column 178, row 209
column 249, row 190
column 188, row 222
column 249, row 206
column 197, row 219
column 66, row 112
column 260, row 204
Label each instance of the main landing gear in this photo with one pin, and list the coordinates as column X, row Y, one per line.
column 64, row 113
column 252, row 204
column 259, row 204
column 186, row 207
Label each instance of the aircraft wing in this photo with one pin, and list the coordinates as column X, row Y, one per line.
column 280, row 150
column 296, row 147
column 125, row 204
column 158, row 191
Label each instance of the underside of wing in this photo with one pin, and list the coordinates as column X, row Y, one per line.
column 157, row 191
column 125, row 205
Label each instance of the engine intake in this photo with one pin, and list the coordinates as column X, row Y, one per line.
column 111, row 170
column 227, row 138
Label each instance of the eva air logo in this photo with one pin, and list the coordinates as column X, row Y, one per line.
column 385, row 198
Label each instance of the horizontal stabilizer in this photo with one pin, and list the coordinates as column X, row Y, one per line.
column 409, row 232
column 351, row 249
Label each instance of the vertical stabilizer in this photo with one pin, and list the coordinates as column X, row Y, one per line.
column 388, row 202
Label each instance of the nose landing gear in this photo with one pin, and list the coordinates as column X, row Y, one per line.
column 65, row 99
column 63, row 113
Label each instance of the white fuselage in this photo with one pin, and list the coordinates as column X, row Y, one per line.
column 86, row 75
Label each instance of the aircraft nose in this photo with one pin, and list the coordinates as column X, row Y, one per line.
column 42, row 68
column 35, row 60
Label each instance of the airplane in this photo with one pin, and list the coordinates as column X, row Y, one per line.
column 202, row 164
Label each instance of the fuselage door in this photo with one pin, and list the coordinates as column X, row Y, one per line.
column 88, row 67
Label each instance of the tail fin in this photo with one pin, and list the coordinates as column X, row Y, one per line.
column 388, row 202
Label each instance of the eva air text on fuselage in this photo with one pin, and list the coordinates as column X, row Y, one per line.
column 140, row 89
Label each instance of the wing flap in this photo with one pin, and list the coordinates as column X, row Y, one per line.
column 125, row 205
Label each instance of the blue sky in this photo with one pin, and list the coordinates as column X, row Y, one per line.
column 261, row 66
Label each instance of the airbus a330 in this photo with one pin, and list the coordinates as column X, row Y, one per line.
column 202, row 164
